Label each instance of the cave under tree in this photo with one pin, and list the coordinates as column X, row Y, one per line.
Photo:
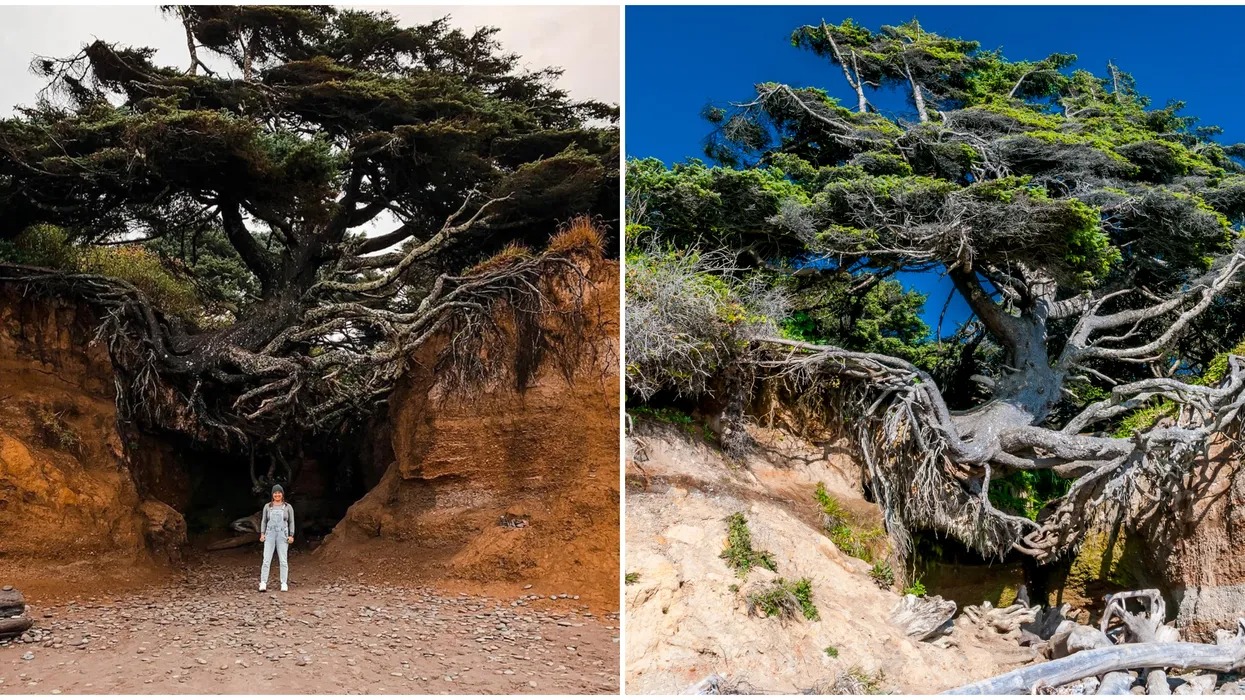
column 1095, row 238
column 272, row 229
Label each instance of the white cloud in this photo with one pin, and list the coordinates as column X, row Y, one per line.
column 581, row 40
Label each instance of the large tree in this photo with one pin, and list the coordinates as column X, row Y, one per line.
column 1088, row 231
column 323, row 177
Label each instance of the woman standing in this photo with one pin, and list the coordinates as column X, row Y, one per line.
column 276, row 531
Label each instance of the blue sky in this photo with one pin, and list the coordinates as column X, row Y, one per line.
column 680, row 59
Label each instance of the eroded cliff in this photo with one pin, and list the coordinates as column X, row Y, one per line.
column 503, row 486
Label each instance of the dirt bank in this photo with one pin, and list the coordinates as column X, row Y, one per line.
column 68, row 493
column 504, row 486
column 686, row 610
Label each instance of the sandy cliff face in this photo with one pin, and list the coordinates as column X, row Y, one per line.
column 68, row 493
column 686, row 609
column 1198, row 555
column 503, row 486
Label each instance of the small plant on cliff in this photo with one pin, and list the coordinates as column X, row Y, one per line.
column 739, row 552
column 782, row 599
column 850, row 538
column 56, row 431
column 832, row 652
column 632, row 577
column 854, row 681
column 916, row 588
column 882, row 575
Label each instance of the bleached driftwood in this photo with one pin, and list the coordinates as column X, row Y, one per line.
column 1116, row 683
column 1156, row 682
column 1003, row 620
column 1124, row 626
column 1097, row 662
column 709, row 685
column 923, row 618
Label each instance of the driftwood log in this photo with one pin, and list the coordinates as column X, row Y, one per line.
column 235, row 541
column 1116, row 683
column 1097, row 662
column 923, row 618
column 709, row 685
column 1003, row 620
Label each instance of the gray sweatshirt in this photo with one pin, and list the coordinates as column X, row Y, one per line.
column 271, row 512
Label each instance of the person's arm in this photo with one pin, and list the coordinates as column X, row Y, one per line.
column 289, row 516
column 263, row 522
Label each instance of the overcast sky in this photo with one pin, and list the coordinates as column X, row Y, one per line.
column 581, row 40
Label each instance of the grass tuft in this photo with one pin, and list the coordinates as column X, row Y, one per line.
column 739, row 553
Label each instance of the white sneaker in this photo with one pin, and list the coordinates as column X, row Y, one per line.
column 263, row 586
column 284, row 588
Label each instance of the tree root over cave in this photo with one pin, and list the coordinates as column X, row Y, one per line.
column 930, row 467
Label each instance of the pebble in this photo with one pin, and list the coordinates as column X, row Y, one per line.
column 418, row 628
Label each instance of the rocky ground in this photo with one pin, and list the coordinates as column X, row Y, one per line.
column 213, row 632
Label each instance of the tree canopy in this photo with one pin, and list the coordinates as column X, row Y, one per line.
column 1093, row 235
column 320, row 177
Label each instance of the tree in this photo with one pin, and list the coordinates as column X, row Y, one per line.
column 323, row 176
column 1087, row 231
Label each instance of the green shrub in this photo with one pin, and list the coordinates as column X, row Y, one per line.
column 739, row 552
column 850, row 538
column 782, row 599
column 143, row 269
column 882, row 575
column 854, row 681
column 42, row 246
column 56, row 431
column 632, row 577
column 672, row 416
column 832, row 652
column 49, row 246
column 916, row 588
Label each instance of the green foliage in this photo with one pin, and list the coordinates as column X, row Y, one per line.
column 632, row 577
column 687, row 320
column 882, row 575
column 783, row 599
column 857, row 681
column 739, row 554
column 1025, row 492
column 56, row 431
column 672, row 416
column 1217, row 368
column 691, row 200
column 1144, row 418
column 916, row 588
column 832, row 652
column 850, row 538
column 50, row 246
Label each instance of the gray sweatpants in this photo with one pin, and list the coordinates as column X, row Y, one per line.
column 275, row 541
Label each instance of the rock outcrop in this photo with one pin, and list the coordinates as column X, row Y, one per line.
column 503, row 485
